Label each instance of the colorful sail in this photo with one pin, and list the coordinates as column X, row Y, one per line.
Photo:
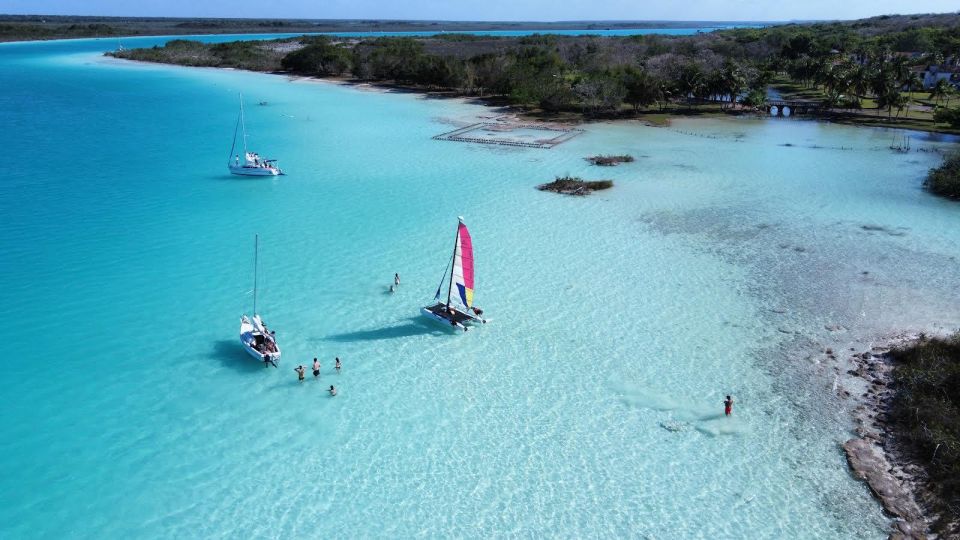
column 463, row 265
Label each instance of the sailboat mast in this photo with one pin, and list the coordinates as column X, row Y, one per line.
column 256, row 261
column 243, row 126
column 453, row 263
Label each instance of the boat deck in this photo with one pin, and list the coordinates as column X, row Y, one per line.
column 441, row 310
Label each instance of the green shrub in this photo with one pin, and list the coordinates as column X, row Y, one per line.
column 926, row 412
column 945, row 179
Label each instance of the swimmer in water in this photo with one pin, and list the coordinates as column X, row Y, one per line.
column 333, row 390
column 316, row 368
column 396, row 279
column 299, row 370
column 337, row 365
column 728, row 406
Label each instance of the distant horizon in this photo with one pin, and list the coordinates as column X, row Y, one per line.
column 451, row 21
column 491, row 11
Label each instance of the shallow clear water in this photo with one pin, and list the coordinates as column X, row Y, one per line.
column 712, row 267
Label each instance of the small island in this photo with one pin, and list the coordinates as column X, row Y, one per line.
column 610, row 161
column 572, row 185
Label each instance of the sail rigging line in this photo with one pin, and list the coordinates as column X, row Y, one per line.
column 443, row 276
column 234, row 143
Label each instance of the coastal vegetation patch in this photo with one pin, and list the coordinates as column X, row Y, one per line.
column 572, row 185
column 925, row 412
column 945, row 179
column 610, row 161
column 877, row 71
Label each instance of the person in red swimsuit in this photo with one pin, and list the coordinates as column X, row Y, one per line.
column 727, row 406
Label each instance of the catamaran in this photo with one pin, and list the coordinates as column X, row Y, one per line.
column 254, row 335
column 251, row 164
column 458, row 311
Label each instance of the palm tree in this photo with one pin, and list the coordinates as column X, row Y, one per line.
column 940, row 90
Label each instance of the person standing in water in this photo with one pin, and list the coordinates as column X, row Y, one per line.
column 728, row 406
column 396, row 279
column 333, row 390
column 316, row 368
column 337, row 365
column 299, row 370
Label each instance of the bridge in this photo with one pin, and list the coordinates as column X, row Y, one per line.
column 793, row 106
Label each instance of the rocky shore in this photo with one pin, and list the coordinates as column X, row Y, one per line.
column 876, row 454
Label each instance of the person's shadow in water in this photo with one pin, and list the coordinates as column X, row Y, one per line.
column 413, row 326
column 232, row 355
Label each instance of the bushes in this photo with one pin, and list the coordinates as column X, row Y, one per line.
column 947, row 116
column 945, row 179
column 320, row 58
column 926, row 412
column 571, row 185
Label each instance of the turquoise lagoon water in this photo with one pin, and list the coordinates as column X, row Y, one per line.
column 713, row 267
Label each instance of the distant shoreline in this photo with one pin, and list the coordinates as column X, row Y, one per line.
column 15, row 28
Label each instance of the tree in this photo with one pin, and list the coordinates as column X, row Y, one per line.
column 939, row 90
column 641, row 88
column 320, row 59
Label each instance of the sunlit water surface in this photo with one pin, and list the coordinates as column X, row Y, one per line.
column 590, row 406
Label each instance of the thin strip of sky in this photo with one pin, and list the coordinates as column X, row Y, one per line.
column 489, row 10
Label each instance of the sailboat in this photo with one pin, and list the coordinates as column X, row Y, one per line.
column 258, row 341
column 458, row 311
column 251, row 164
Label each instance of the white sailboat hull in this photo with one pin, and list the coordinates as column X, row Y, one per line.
column 251, row 338
column 255, row 171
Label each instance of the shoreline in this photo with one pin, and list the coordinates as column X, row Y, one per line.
column 649, row 117
column 876, row 454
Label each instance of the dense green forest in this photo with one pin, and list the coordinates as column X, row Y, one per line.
column 845, row 66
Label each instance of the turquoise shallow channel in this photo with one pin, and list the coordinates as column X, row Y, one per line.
column 591, row 406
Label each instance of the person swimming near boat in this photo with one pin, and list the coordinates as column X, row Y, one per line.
column 268, row 360
column 396, row 279
column 299, row 370
column 337, row 365
column 728, row 406
column 333, row 390
column 316, row 368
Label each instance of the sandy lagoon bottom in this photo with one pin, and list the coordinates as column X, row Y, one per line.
column 591, row 406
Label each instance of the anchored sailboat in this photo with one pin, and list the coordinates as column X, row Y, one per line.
column 254, row 335
column 458, row 310
column 251, row 164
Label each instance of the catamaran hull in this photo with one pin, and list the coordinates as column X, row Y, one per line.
column 441, row 320
column 255, row 171
column 461, row 320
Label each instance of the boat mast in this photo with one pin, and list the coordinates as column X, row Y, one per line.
column 243, row 126
column 256, row 257
column 453, row 264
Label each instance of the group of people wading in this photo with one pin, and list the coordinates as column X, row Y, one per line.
column 301, row 372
